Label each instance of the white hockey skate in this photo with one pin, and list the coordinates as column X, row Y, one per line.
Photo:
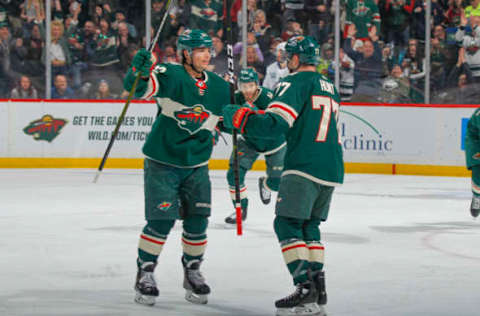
column 265, row 193
column 145, row 286
column 194, row 283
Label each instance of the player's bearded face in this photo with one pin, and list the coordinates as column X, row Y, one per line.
column 201, row 58
column 248, row 89
column 293, row 63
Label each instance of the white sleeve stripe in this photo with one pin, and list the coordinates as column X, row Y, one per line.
column 284, row 115
column 285, row 106
column 152, row 87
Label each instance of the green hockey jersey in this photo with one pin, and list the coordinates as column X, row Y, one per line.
column 305, row 107
column 190, row 109
column 264, row 143
column 364, row 14
column 472, row 140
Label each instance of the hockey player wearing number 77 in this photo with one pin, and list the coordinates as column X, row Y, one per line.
column 305, row 108
column 177, row 151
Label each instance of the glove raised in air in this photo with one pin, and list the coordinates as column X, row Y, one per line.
column 142, row 62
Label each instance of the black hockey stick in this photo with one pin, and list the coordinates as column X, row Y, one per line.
column 238, row 207
column 130, row 95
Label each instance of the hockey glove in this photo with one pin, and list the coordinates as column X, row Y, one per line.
column 142, row 62
column 235, row 116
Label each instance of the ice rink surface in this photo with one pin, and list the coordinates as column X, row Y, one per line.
column 395, row 245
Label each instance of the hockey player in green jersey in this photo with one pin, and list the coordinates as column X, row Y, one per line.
column 305, row 108
column 472, row 155
column 177, row 151
column 273, row 148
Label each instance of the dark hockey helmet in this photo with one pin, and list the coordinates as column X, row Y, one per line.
column 305, row 47
column 191, row 39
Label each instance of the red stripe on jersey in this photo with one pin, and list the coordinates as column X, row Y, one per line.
column 316, row 248
column 292, row 114
column 154, row 87
column 152, row 240
column 292, row 247
column 241, row 190
column 194, row 243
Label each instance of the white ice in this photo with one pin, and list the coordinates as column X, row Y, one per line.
column 395, row 245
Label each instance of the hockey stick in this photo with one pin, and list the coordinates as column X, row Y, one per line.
column 130, row 96
column 238, row 207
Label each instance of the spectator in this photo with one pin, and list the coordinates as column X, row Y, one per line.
column 60, row 55
column 262, row 30
column 207, row 15
column 124, row 41
column 364, row 15
column 368, row 66
column 6, row 45
column 33, row 64
column 397, row 16
column 105, row 62
column 454, row 11
column 418, row 22
column 251, row 8
column 473, row 8
column 319, row 19
column 294, row 10
column 251, row 41
column 293, row 28
column 347, row 76
column 278, row 69
column 219, row 61
column 253, row 61
column 60, row 89
column 24, row 89
column 31, row 10
column 270, row 56
column 396, row 87
column 103, row 91
column 121, row 18
column 463, row 89
column 326, row 59
column 413, row 64
column 470, row 41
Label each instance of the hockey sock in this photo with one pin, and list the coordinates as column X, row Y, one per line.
column 316, row 250
column 194, row 237
column 476, row 181
column 152, row 239
column 243, row 196
column 294, row 249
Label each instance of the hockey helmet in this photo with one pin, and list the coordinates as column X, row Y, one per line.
column 305, row 47
column 191, row 39
column 248, row 75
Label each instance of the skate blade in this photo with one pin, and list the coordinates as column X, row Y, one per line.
column 196, row 298
column 144, row 299
column 312, row 309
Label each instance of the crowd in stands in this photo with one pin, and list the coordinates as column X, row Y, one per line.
column 382, row 54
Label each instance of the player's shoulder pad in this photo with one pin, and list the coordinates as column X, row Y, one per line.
column 216, row 78
column 167, row 69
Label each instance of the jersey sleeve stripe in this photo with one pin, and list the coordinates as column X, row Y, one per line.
column 285, row 111
column 152, row 87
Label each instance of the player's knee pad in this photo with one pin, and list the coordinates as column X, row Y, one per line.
column 311, row 229
column 195, row 224
column 158, row 227
column 288, row 228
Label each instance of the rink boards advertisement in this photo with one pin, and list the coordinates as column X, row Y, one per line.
column 370, row 133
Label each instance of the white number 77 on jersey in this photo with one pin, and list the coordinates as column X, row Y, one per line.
column 328, row 105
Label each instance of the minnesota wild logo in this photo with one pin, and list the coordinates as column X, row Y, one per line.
column 164, row 206
column 192, row 119
column 46, row 128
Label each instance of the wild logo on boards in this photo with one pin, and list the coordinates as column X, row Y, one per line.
column 46, row 128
